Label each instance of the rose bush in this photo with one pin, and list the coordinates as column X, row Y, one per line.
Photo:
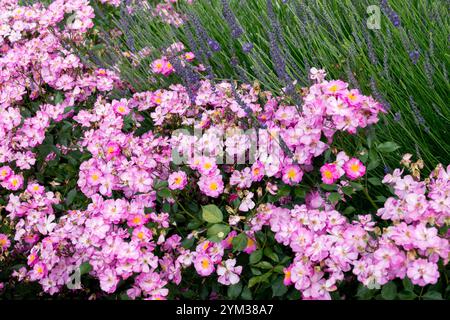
column 199, row 190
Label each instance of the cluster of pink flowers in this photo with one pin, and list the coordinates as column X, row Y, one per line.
column 33, row 214
column 34, row 60
column 124, row 233
column 219, row 114
column 120, row 161
column 412, row 246
column 9, row 180
column 176, row 50
column 100, row 237
column 168, row 14
column 208, row 257
column 327, row 245
column 353, row 168
column 162, row 66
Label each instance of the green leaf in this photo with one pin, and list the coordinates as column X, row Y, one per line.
column 188, row 243
column 300, row 192
column 278, row 288
column 193, row 207
column 164, row 193
column 263, row 265
column 279, row 269
column 194, row 224
column 432, row 295
column 212, row 214
column 218, row 232
column 246, row 294
column 234, row 291
column 85, row 267
column 349, row 210
column 239, row 242
column 375, row 181
column 271, row 255
column 348, row 190
column 255, row 271
column 161, row 184
column 71, row 196
column 387, row 147
column 253, row 281
column 328, row 187
column 259, row 279
column 178, row 217
column 373, row 164
column 58, row 97
column 407, row 295
column 389, row 291
column 283, row 191
column 380, row 199
column 334, row 197
column 365, row 293
column 357, row 186
column 364, row 155
column 124, row 296
column 256, row 256
column 407, row 284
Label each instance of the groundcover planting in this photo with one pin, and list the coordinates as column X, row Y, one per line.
column 224, row 149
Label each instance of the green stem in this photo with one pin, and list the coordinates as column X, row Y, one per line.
column 370, row 198
column 184, row 209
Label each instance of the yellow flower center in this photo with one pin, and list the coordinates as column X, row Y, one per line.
column 207, row 165
column 136, row 220
column 291, row 173
column 205, row 263
column 333, row 88
column 213, row 186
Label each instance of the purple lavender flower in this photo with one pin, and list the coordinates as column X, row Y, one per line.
column 390, row 13
column 247, row 47
column 236, row 30
column 420, row 120
column 214, row 45
column 414, row 55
